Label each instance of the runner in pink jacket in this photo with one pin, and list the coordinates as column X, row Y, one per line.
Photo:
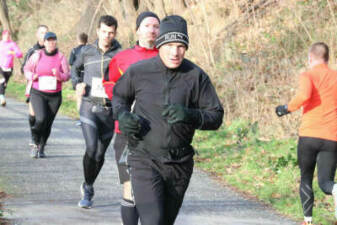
column 47, row 69
column 8, row 50
column 41, row 64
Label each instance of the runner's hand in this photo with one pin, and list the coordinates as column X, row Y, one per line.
column 35, row 77
column 129, row 123
column 80, row 89
column 56, row 73
column 281, row 110
column 178, row 113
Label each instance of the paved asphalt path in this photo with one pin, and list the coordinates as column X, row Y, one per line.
column 46, row 191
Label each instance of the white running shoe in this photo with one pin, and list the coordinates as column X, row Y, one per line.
column 2, row 100
column 34, row 151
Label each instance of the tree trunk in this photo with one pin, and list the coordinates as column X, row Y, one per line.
column 161, row 7
column 84, row 23
column 4, row 18
column 129, row 9
column 179, row 6
column 144, row 6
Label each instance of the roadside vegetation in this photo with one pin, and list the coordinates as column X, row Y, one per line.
column 2, row 198
column 253, row 51
column 265, row 169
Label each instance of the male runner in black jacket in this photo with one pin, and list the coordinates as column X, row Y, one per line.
column 173, row 98
column 82, row 40
column 95, row 111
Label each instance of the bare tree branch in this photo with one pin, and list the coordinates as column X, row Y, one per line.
column 248, row 13
column 95, row 14
column 4, row 18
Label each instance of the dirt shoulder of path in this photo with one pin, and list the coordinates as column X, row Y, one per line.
column 3, row 221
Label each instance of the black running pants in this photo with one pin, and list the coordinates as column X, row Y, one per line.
column 5, row 75
column 45, row 106
column 312, row 151
column 159, row 188
column 97, row 128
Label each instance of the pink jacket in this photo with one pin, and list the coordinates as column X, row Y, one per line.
column 62, row 71
column 8, row 50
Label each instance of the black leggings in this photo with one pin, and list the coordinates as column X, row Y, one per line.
column 97, row 129
column 159, row 188
column 6, row 76
column 45, row 106
column 312, row 151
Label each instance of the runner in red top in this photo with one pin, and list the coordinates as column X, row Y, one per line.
column 147, row 30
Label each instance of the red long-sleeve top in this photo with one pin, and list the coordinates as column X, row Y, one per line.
column 120, row 63
column 317, row 93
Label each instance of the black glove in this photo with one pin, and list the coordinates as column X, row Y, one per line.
column 129, row 123
column 281, row 110
column 178, row 113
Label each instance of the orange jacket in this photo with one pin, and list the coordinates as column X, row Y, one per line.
column 317, row 93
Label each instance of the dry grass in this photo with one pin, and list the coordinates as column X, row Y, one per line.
column 2, row 220
column 253, row 50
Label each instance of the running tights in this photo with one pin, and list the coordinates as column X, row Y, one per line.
column 312, row 151
column 5, row 76
column 97, row 128
column 45, row 106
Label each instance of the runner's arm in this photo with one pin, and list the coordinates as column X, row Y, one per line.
column 76, row 69
column 114, row 75
column 17, row 51
column 303, row 93
column 29, row 69
column 72, row 57
column 124, row 95
column 209, row 105
column 25, row 59
column 64, row 73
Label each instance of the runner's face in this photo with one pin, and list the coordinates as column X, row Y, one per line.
column 106, row 34
column 40, row 34
column 50, row 44
column 148, row 30
column 172, row 54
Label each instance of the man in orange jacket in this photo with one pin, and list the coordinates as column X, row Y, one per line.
column 317, row 94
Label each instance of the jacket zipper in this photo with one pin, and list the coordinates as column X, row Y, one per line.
column 102, row 73
column 167, row 102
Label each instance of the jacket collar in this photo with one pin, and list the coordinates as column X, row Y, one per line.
column 50, row 53
column 320, row 66
column 114, row 45
column 162, row 66
column 142, row 49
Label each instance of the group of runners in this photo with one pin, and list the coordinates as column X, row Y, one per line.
column 153, row 99
column 158, row 102
column 149, row 95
